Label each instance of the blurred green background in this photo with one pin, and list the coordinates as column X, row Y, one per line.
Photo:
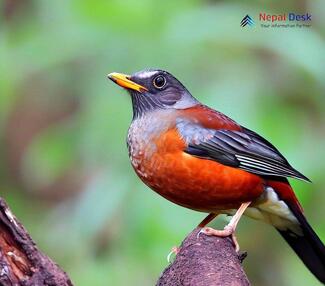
column 64, row 167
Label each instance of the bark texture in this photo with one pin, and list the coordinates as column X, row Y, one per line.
column 205, row 261
column 21, row 263
column 201, row 261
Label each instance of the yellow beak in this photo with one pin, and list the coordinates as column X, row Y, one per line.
column 124, row 81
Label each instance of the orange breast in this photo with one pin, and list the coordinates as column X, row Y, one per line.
column 192, row 182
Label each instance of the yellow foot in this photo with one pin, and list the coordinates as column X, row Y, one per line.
column 175, row 251
column 227, row 231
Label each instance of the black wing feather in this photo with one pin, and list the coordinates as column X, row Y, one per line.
column 245, row 150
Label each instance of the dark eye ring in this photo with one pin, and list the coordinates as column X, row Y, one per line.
column 159, row 81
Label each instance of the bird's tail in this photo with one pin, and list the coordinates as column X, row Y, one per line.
column 308, row 247
column 307, row 244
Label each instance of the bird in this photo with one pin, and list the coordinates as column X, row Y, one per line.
column 201, row 159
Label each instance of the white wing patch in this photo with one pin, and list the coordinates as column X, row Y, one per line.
column 264, row 168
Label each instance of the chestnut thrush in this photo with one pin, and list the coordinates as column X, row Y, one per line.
column 201, row 159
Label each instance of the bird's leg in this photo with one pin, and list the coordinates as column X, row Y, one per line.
column 230, row 228
column 203, row 223
column 207, row 219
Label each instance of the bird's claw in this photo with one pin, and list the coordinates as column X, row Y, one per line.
column 174, row 250
column 198, row 234
column 227, row 231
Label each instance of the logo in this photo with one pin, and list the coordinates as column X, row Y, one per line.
column 285, row 20
column 281, row 20
column 284, row 17
column 247, row 20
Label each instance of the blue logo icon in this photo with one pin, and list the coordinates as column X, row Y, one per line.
column 247, row 20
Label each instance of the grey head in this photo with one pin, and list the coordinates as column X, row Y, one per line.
column 154, row 89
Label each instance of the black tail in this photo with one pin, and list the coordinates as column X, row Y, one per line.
column 308, row 247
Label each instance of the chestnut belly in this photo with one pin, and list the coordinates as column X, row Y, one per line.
column 199, row 184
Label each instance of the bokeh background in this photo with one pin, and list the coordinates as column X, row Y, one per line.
column 64, row 167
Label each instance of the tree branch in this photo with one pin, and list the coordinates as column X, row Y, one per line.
column 205, row 261
column 21, row 263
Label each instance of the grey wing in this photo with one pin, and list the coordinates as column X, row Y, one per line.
column 245, row 150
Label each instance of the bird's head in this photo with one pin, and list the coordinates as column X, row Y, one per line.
column 154, row 89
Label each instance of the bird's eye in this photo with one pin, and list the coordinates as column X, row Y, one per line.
column 159, row 81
